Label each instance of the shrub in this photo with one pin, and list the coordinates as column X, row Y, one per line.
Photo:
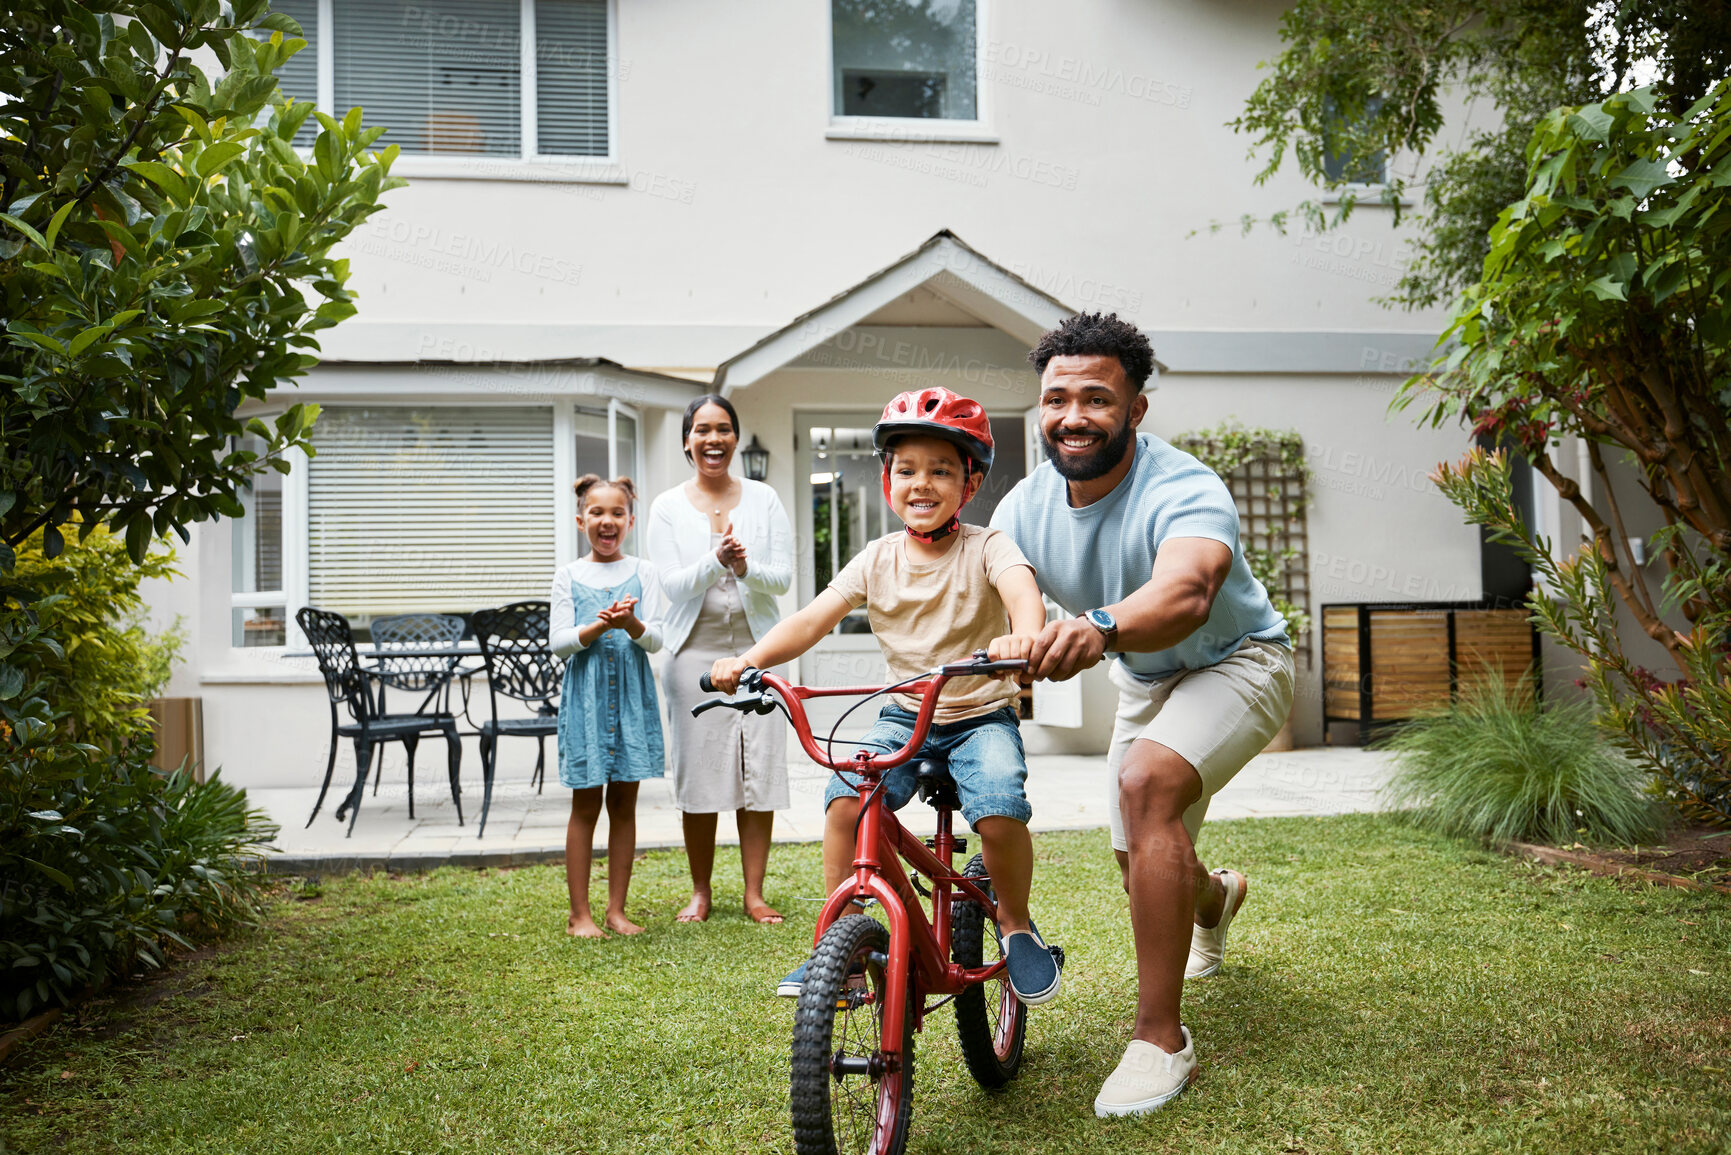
column 106, row 666
column 102, row 859
column 1498, row 765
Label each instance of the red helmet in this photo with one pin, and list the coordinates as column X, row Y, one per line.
column 937, row 412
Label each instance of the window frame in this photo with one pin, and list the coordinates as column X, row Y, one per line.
column 529, row 165
column 913, row 129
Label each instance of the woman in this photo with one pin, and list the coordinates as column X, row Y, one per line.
column 724, row 550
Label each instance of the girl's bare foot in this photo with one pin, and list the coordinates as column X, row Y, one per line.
column 619, row 924
column 583, row 928
column 697, row 910
column 762, row 912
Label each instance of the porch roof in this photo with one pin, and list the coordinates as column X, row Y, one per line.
column 945, row 265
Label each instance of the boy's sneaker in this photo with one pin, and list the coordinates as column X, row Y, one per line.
column 790, row 986
column 1033, row 972
column 1147, row 1078
column 1208, row 944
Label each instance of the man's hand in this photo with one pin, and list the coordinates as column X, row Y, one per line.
column 725, row 673
column 1010, row 647
column 1065, row 648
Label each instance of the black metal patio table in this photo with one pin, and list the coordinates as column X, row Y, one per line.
column 469, row 655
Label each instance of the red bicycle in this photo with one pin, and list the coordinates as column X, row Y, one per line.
column 867, row 985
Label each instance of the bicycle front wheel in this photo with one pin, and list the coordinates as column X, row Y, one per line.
column 991, row 1022
column 846, row 1097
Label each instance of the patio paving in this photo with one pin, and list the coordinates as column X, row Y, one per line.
column 1067, row 792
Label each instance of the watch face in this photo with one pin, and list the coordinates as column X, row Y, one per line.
column 1102, row 620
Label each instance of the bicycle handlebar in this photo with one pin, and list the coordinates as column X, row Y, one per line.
column 764, row 691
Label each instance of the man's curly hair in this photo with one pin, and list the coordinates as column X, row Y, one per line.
column 1098, row 334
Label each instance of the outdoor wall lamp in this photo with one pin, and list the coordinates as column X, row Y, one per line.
column 756, row 459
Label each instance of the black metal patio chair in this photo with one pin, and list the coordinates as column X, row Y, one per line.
column 513, row 642
column 421, row 673
column 351, row 684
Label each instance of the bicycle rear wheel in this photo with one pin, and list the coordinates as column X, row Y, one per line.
column 991, row 1022
column 845, row 1098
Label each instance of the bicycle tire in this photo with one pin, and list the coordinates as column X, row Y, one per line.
column 843, row 1114
column 991, row 1022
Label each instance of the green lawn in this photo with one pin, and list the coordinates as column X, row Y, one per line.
column 1385, row 990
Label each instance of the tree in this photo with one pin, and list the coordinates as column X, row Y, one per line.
column 1360, row 77
column 1603, row 313
column 159, row 235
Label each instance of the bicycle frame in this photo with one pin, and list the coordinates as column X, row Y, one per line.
column 879, row 850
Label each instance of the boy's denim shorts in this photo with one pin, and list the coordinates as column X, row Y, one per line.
column 984, row 754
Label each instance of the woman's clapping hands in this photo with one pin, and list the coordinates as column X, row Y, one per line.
column 731, row 552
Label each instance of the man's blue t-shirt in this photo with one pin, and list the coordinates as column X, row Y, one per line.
column 1097, row 555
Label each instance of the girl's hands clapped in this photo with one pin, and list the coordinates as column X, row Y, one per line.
column 621, row 615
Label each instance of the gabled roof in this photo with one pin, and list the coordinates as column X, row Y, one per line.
column 945, row 265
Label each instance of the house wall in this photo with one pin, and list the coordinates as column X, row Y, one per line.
column 738, row 208
column 738, row 212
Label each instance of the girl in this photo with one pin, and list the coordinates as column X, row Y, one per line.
column 609, row 721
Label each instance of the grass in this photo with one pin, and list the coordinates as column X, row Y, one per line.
column 1386, row 990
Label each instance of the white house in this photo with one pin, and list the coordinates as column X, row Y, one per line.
column 809, row 207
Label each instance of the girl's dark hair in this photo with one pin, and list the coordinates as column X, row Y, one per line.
column 592, row 480
column 1099, row 335
column 691, row 415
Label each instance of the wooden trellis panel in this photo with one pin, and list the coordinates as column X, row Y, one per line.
column 1271, row 517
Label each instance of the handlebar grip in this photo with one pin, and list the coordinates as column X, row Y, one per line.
column 704, row 684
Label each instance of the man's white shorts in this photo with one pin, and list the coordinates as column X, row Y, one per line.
column 1216, row 718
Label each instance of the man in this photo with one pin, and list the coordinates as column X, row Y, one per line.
column 1141, row 541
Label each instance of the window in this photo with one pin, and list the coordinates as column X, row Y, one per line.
column 905, row 59
column 258, row 602
column 607, row 447
column 1339, row 161
column 440, row 510
column 450, row 78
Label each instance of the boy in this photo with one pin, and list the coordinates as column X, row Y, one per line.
column 934, row 594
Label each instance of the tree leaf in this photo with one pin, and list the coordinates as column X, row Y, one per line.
column 1642, row 177
column 213, row 159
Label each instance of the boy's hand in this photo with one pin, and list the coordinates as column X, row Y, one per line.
column 1009, row 648
column 725, row 673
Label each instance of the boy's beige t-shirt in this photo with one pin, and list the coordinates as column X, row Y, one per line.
column 927, row 614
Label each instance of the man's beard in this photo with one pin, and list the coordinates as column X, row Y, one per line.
column 1102, row 460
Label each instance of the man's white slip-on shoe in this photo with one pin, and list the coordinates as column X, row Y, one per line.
column 1208, row 944
column 1147, row 1079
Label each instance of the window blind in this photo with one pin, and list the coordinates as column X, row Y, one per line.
column 443, row 76
column 571, row 77
column 430, row 509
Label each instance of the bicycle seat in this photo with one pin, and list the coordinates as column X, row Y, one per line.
column 937, row 788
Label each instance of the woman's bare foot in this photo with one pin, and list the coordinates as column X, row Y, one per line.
column 762, row 912
column 583, row 928
column 697, row 910
column 619, row 924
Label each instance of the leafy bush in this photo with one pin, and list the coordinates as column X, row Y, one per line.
column 1498, row 765
column 106, row 667
column 102, row 859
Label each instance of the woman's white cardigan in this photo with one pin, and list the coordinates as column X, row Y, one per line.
column 681, row 552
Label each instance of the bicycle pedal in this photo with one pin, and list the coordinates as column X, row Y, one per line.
column 1057, row 955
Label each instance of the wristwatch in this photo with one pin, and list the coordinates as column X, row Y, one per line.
column 1105, row 623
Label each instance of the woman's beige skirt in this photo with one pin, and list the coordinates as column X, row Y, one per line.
column 724, row 759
